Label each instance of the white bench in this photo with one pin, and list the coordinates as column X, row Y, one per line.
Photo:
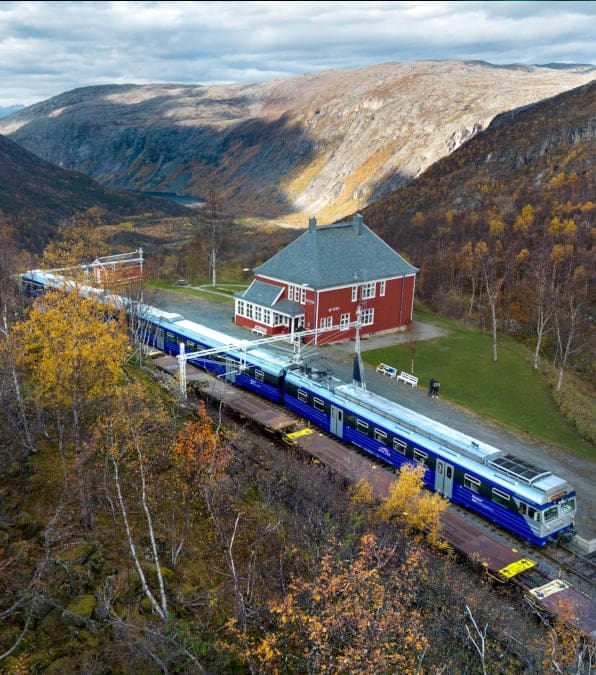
column 408, row 379
column 387, row 370
column 259, row 330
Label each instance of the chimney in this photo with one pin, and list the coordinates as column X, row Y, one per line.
column 312, row 223
column 357, row 223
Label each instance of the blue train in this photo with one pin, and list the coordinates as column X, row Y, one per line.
column 530, row 502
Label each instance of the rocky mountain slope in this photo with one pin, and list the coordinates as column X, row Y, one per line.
column 539, row 154
column 36, row 195
column 325, row 144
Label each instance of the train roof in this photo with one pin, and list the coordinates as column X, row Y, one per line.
column 235, row 347
column 503, row 469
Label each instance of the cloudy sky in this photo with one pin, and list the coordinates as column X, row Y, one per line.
column 47, row 48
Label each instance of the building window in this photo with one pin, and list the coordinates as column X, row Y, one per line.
column 240, row 308
column 267, row 316
column 248, row 311
column 354, row 293
column 368, row 290
column 344, row 321
column 327, row 322
column 367, row 317
column 382, row 288
column 258, row 313
column 297, row 293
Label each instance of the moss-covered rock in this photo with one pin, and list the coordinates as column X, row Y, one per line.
column 78, row 554
column 82, row 605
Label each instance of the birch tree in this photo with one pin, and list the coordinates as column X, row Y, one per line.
column 73, row 361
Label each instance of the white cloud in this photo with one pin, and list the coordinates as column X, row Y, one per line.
column 47, row 48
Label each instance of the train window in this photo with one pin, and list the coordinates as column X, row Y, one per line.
column 449, row 472
column 500, row 497
column 259, row 375
column 568, row 506
column 471, row 483
column 380, row 436
column 400, row 446
column 420, row 456
column 551, row 513
column 362, row 426
column 170, row 336
column 522, row 508
column 318, row 403
column 302, row 396
column 533, row 514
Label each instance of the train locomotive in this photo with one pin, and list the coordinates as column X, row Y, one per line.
column 532, row 503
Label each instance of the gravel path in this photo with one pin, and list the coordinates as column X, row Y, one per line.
column 578, row 471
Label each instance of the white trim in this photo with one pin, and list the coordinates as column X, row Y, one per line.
column 343, row 286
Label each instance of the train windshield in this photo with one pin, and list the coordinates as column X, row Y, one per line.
column 568, row 506
column 551, row 513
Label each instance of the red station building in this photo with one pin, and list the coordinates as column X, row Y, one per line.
column 323, row 279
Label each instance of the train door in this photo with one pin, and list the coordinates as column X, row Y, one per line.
column 444, row 479
column 337, row 421
column 231, row 370
column 159, row 338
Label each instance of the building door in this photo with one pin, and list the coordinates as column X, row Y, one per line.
column 444, row 479
column 337, row 421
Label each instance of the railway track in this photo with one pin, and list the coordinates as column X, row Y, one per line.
column 556, row 580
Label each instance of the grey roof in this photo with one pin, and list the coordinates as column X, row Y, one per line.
column 261, row 293
column 336, row 255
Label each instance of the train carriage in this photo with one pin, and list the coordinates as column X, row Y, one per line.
column 532, row 503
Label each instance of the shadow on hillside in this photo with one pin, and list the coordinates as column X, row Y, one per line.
column 244, row 159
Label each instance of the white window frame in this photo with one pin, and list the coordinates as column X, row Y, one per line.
column 326, row 322
column 380, row 436
column 382, row 288
column 318, row 404
column 367, row 316
column 399, row 446
column 354, row 293
column 344, row 321
column 420, row 456
column 471, row 483
column 368, row 290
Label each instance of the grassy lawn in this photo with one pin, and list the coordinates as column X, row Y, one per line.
column 509, row 391
column 225, row 288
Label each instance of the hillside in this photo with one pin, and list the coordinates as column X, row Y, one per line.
column 514, row 162
column 326, row 144
column 36, row 195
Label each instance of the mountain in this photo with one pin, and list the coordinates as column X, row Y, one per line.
column 325, row 144
column 37, row 195
column 8, row 110
column 539, row 154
